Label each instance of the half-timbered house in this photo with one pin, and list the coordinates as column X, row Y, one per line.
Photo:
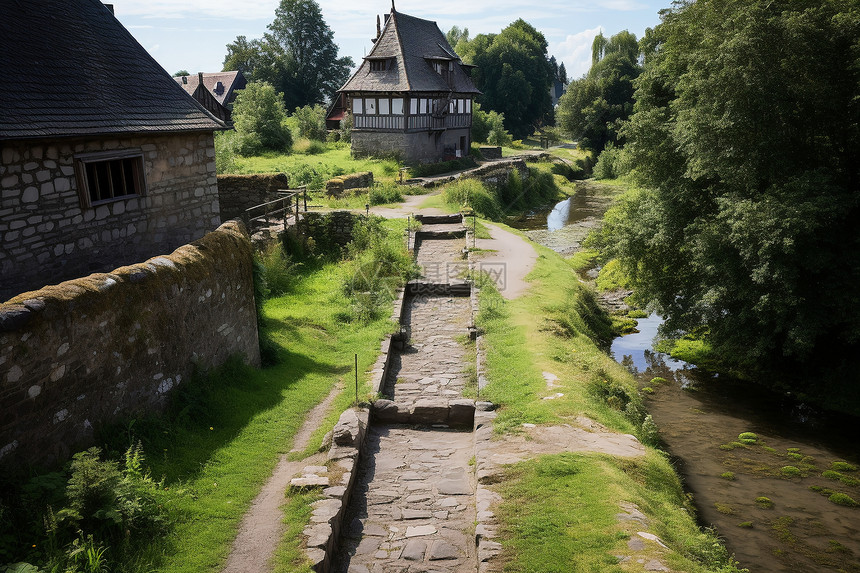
column 411, row 96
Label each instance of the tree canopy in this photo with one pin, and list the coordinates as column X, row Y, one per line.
column 514, row 74
column 746, row 141
column 260, row 120
column 297, row 56
column 594, row 107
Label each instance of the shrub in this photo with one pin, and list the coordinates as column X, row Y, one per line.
column 260, row 120
column 311, row 122
column 613, row 162
column 730, row 476
column 474, row 194
column 278, row 271
column 385, row 193
column 747, row 438
column 226, row 150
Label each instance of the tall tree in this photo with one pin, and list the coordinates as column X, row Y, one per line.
column 746, row 138
column 514, row 73
column 594, row 107
column 306, row 53
column 455, row 34
column 297, row 56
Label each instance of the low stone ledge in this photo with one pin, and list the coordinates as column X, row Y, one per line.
column 459, row 412
column 439, row 219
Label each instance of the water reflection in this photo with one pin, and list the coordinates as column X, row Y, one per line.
column 636, row 349
column 557, row 218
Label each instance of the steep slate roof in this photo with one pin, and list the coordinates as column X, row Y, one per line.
column 410, row 41
column 71, row 69
column 230, row 82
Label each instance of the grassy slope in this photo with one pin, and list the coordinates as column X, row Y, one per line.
column 559, row 511
column 254, row 416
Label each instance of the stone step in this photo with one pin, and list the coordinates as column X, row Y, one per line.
column 454, row 413
column 439, row 219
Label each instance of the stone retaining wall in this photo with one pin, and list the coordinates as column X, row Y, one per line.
column 328, row 229
column 239, row 192
column 90, row 351
column 338, row 185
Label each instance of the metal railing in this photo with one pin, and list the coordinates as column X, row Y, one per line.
column 288, row 204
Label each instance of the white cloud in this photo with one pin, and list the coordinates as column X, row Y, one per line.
column 575, row 52
column 154, row 48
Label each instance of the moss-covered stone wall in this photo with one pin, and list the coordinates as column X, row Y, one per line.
column 239, row 192
column 89, row 351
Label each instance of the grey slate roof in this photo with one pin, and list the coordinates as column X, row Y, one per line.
column 411, row 42
column 71, row 69
column 222, row 85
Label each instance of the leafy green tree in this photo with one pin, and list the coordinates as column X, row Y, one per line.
column 311, row 122
column 181, row 73
column 594, row 107
column 297, row 56
column 455, row 35
column 746, row 139
column 489, row 127
column 260, row 120
column 244, row 56
column 514, row 74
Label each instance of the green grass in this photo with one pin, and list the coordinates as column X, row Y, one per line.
column 224, row 432
column 558, row 511
column 256, row 413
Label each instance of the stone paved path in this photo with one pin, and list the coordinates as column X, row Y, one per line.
column 413, row 508
column 434, row 364
column 414, row 504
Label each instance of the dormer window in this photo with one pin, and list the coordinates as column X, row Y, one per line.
column 378, row 65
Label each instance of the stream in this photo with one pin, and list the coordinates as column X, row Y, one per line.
column 770, row 501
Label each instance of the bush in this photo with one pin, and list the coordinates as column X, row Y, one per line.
column 278, row 271
column 378, row 263
column 474, row 194
column 311, row 122
column 260, row 120
column 226, row 149
column 747, row 438
column 383, row 193
column 612, row 163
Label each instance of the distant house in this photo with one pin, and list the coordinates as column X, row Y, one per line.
column 105, row 159
column 556, row 90
column 411, row 96
column 215, row 91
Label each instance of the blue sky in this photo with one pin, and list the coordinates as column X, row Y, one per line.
column 193, row 34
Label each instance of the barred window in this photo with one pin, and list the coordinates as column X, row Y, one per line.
column 109, row 176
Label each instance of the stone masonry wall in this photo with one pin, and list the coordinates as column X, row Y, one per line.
column 46, row 236
column 419, row 147
column 89, row 351
column 239, row 192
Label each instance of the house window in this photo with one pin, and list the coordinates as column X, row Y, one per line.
column 357, row 106
column 397, row 106
column 413, row 106
column 109, row 176
column 384, row 106
column 424, row 108
column 378, row 65
column 468, row 106
column 370, row 106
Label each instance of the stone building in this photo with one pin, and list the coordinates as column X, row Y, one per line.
column 105, row 160
column 411, row 96
column 215, row 91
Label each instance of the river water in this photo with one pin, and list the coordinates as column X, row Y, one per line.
column 700, row 416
